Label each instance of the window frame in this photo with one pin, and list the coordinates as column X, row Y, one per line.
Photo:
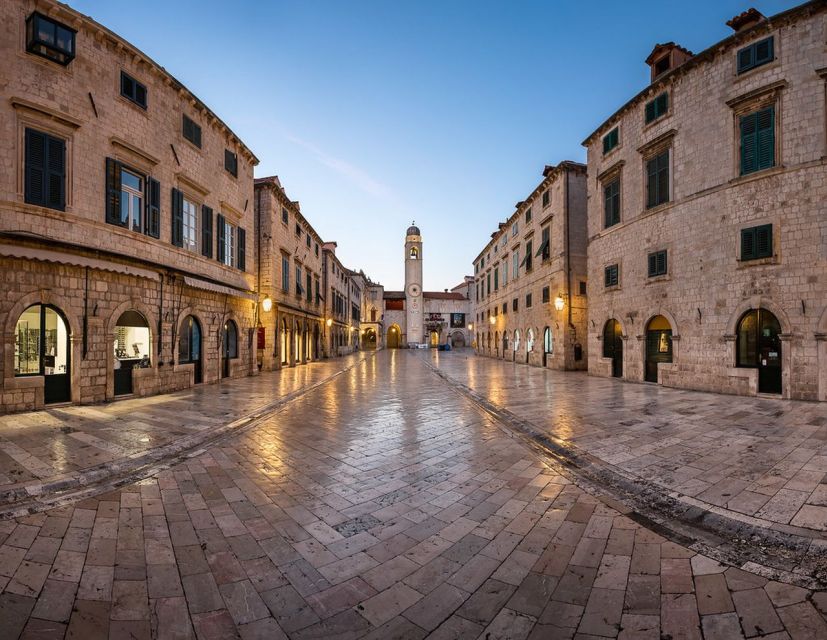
column 136, row 86
column 754, row 62
column 231, row 162
column 611, row 140
column 611, row 276
column 656, row 108
column 657, row 263
column 614, row 181
column 756, row 254
column 58, row 54
column 654, row 157
column 742, row 120
column 194, row 136
column 194, row 246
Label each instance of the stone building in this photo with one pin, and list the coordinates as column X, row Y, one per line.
column 707, row 234
column 373, row 332
column 530, row 280
column 126, row 220
column 343, row 297
column 291, row 268
column 414, row 317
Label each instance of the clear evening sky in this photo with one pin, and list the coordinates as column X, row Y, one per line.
column 375, row 113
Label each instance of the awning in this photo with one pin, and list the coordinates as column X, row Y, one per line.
column 61, row 257
column 206, row 285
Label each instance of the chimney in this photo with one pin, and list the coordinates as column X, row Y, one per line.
column 749, row 18
column 665, row 57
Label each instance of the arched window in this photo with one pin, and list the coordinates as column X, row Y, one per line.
column 41, row 348
column 529, row 340
column 516, row 339
column 189, row 342
column 230, row 339
column 414, row 253
column 548, row 345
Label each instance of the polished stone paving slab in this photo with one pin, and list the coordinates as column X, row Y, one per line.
column 382, row 505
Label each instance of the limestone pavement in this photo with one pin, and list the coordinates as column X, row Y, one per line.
column 381, row 505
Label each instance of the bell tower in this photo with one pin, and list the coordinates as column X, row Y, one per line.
column 413, row 285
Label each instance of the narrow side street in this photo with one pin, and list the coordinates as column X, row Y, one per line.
column 384, row 504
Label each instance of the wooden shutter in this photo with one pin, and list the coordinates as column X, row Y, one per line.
column 242, row 253
column 35, row 167
column 746, row 58
column 661, row 266
column 663, row 178
column 153, row 208
column 221, row 252
column 650, row 111
column 765, row 138
column 653, row 264
column 206, row 231
column 113, row 193
column 749, row 143
column 748, row 244
column 56, row 171
column 177, row 218
column 763, row 52
column 652, row 182
column 763, row 241
column 662, row 104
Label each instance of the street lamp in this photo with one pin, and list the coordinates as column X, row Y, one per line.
column 470, row 326
column 267, row 304
column 492, row 320
column 329, row 322
column 559, row 303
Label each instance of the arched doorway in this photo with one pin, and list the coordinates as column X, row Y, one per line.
column 548, row 345
column 297, row 343
column 284, row 342
column 306, row 343
column 457, row 339
column 132, row 349
column 759, row 346
column 370, row 339
column 229, row 347
column 613, row 346
column 189, row 346
column 529, row 343
column 658, row 346
column 497, row 343
column 505, row 343
column 434, row 339
column 516, row 344
column 41, row 348
column 394, row 337
column 316, row 350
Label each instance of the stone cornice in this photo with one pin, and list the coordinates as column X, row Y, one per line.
column 653, row 144
column 53, row 114
column 757, row 94
column 120, row 142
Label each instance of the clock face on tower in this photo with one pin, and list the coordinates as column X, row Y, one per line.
column 413, row 290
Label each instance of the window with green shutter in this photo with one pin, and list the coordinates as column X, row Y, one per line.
column 757, row 140
column 611, row 275
column 657, row 180
column 756, row 54
column 657, row 264
column 611, row 198
column 756, row 242
column 611, row 140
column 192, row 131
column 45, row 174
column 657, row 107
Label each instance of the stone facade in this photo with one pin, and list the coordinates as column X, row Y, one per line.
column 343, row 299
column 291, row 272
column 705, row 212
column 72, row 131
column 515, row 316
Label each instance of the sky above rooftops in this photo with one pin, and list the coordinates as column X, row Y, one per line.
column 374, row 113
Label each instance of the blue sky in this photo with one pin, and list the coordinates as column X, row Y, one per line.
column 375, row 113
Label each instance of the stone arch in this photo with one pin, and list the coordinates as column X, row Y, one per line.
column 666, row 314
column 183, row 313
column 760, row 302
column 138, row 305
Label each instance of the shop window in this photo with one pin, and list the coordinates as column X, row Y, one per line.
column 50, row 39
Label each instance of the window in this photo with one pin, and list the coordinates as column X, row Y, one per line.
column 657, row 180
column 317, row 249
column 298, row 230
column 611, row 140
column 308, row 279
column 505, row 270
column 515, row 229
column 611, row 276
column 496, row 279
column 528, row 301
column 657, row 264
column 192, row 131
column 756, row 242
column 226, row 242
column 133, row 90
column 231, row 162
column 45, row 170
column 662, row 65
column 756, row 54
column 546, row 198
column 50, row 39
column 319, row 297
column 285, row 216
column 528, row 215
column 299, row 288
column 189, row 228
column 308, row 241
column 528, row 257
column 505, row 308
column 546, row 294
column 488, row 284
column 516, row 262
column 132, row 200
column 611, row 199
column 582, row 288
column 285, row 273
column 757, row 140
column 514, row 304
column 657, row 107
column 544, row 252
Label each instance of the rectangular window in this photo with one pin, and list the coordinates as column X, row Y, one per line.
column 317, row 250
column 488, row 284
column 516, row 262
column 192, row 131
column 49, row 38
column 505, row 270
column 546, row 294
column 544, row 252
column 657, row 180
column 546, row 198
column 756, row 54
column 285, row 216
column 505, row 308
column 582, row 288
column 514, row 304
column 657, row 264
column 528, row 301
column 132, row 200
column 528, row 215
column 611, row 200
column 299, row 288
column 497, row 279
column 528, row 257
column 285, row 273
column 308, row 278
column 227, row 242
column 189, row 234
column 133, row 90
column 308, row 240
column 657, row 107
column 757, row 140
column 298, row 230
column 231, row 162
column 318, row 295
column 611, row 276
column 515, row 229
column 756, row 242
column 611, row 140
column 45, row 170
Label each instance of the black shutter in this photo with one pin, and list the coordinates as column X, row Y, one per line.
column 650, row 111
column 206, row 231
column 56, row 167
column 113, row 193
column 177, row 218
column 35, row 167
column 242, row 251
column 763, row 241
column 747, row 244
column 746, row 58
column 153, row 208
column 651, row 182
column 221, row 250
column 661, row 266
column 653, row 264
